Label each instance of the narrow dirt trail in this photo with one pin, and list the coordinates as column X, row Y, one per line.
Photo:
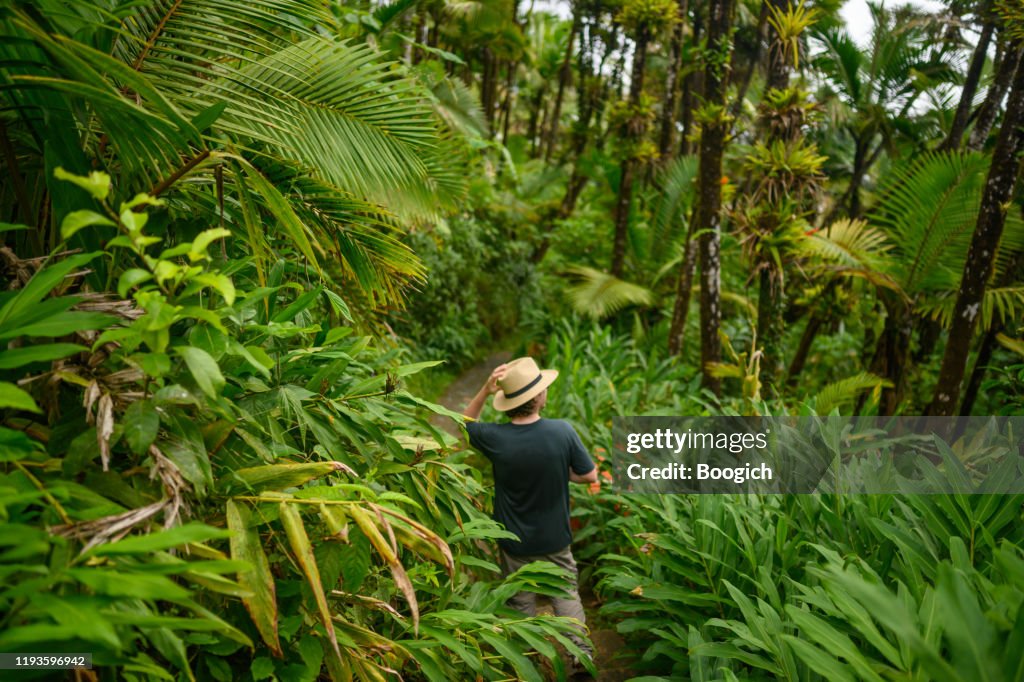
column 607, row 642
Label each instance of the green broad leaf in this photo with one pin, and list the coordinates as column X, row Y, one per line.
column 161, row 540
column 166, row 270
column 135, row 585
column 41, row 284
column 96, row 183
column 208, row 116
column 149, row 620
column 526, row 670
column 246, row 546
column 208, row 316
column 819, row 661
column 19, row 357
column 184, row 446
column 291, row 519
column 470, row 656
column 155, row 365
column 340, row 308
column 406, row 370
column 11, row 227
column 38, row 635
column 469, row 560
column 141, row 423
column 174, row 395
column 135, row 222
column 222, row 284
column 298, row 305
column 833, row 641
column 204, row 369
column 175, row 251
column 261, row 668
column 77, row 220
column 61, row 324
column 203, row 240
column 209, row 339
column 429, row 664
column 406, row 397
column 255, row 356
column 14, row 398
column 1016, row 345
column 15, row 445
column 970, row 634
column 281, row 476
column 356, row 562
column 142, row 199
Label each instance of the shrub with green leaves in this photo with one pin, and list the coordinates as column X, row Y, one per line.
column 220, row 474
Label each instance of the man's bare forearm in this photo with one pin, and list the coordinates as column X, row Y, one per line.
column 476, row 405
column 590, row 477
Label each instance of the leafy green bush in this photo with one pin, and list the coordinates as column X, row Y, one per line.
column 327, row 517
column 729, row 587
column 481, row 283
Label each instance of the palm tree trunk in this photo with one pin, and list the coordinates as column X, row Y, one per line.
column 892, row 351
column 970, row 87
column 1002, row 177
column 755, row 59
column 986, row 114
column 532, row 129
column 564, row 76
column 988, row 344
column 853, row 192
column 625, row 197
column 506, row 105
column 673, row 81
column 709, row 198
column 778, row 67
column 684, row 287
column 770, row 302
column 622, row 205
column 488, row 87
column 691, row 85
column 803, row 349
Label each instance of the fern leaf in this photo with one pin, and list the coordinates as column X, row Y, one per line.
column 598, row 294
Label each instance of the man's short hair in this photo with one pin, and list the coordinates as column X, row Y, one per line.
column 524, row 410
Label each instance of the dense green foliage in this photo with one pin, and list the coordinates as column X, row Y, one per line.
column 239, row 239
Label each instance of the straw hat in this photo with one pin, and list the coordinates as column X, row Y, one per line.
column 523, row 381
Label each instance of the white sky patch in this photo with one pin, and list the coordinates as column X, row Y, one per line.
column 858, row 17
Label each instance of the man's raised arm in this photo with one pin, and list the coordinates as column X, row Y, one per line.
column 476, row 405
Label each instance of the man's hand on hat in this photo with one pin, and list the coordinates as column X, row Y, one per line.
column 497, row 375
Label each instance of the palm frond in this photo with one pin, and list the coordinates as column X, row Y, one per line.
column 326, row 104
column 459, row 107
column 843, row 393
column 362, row 128
column 998, row 303
column 928, row 210
column 677, row 190
column 848, row 242
column 599, row 294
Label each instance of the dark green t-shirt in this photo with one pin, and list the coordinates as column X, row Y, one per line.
column 531, row 480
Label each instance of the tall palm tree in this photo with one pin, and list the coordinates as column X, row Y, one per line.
column 876, row 88
column 645, row 20
column 914, row 250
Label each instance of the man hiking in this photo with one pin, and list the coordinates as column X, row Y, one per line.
column 534, row 459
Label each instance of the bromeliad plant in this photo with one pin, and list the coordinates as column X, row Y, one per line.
column 312, row 516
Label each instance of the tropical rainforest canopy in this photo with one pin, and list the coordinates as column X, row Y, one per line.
column 241, row 238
